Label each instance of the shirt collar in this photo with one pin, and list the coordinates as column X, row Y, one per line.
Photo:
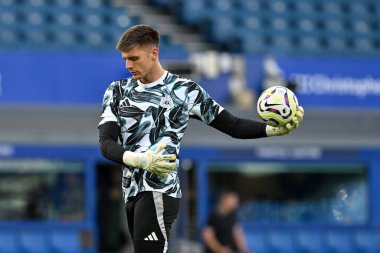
column 152, row 84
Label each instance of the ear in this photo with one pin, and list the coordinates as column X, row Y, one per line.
column 154, row 53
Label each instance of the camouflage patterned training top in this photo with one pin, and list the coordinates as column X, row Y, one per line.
column 149, row 114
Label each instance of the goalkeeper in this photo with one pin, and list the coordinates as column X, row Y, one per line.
column 143, row 120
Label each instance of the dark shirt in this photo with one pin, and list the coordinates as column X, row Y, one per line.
column 222, row 224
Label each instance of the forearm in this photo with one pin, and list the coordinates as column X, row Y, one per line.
column 238, row 127
column 108, row 135
column 210, row 240
column 151, row 160
column 238, row 235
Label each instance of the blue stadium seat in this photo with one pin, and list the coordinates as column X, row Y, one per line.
column 223, row 26
column 335, row 45
column 9, row 37
column 66, row 242
column 282, row 242
column 332, row 8
column 340, row 242
column 310, row 241
column 193, row 12
column 34, row 242
column 9, row 242
column 66, row 19
column 33, row 16
column 256, row 242
column 94, row 4
column 9, row 17
column 221, row 6
column 64, row 3
column 279, row 25
column 367, row 241
column 250, row 22
column 99, row 38
column 93, row 19
column 359, row 8
column 335, row 26
column 365, row 46
column 282, row 44
column 309, row 44
column 252, row 6
column 304, row 7
column 253, row 42
column 66, row 38
column 278, row 7
column 38, row 37
column 119, row 17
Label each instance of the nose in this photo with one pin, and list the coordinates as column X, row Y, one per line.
column 128, row 65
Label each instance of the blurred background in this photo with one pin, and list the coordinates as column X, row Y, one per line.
column 315, row 190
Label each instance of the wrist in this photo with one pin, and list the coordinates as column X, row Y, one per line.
column 132, row 159
column 271, row 131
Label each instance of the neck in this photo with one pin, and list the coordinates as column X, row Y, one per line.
column 155, row 74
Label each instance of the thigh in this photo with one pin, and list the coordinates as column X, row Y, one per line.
column 129, row 206
column 154, row 214
column 170, row 212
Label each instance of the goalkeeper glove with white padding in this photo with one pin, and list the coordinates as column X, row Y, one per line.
column 289, row 127
column 151, row 161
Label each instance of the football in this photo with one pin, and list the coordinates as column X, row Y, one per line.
column 277, row 105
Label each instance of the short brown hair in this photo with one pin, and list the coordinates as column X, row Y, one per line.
column 138, row 35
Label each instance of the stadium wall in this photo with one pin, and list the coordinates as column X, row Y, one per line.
column 202, row 157
column 61, row 78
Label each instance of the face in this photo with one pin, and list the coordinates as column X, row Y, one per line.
column 230, row 202
column 140, row 61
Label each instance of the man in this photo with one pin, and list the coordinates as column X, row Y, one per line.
column 143, row 120
column 223, row 234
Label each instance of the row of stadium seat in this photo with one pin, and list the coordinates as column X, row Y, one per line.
column 11, row 16
column 323, row 9
column 59, row 3
column 65, row 25
column 337, row 241
column 314, row 27
column 37, row 24
column 59, row 241
column 288, row 7
column 335, row 7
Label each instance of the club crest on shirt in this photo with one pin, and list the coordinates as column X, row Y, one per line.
column 166, row 102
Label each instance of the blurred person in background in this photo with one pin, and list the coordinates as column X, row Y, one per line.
column 143, row 120
column 274, row 75
column 222, row 233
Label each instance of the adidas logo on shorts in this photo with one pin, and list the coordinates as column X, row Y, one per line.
column 151, row 237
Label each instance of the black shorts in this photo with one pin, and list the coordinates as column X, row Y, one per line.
column 150, row 216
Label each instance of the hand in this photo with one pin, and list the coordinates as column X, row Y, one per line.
column 151, row 161
column 289, row 127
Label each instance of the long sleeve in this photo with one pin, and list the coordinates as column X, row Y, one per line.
column 237, row 127
column 108, row 135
